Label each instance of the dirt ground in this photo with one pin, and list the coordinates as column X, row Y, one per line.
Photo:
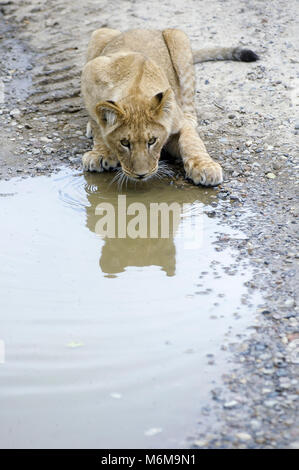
column 248, row 118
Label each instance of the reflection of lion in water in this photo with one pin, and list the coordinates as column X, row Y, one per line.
column 139, row 90
column 120, row 253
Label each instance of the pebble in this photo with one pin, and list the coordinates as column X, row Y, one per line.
column 235, row 197
column 41, row 166
column 276, row 165
column 270, row 403
column 243, row 436
column 201, row 443
column 289, row 303
column 152, row 431
column 230, row 404
column 15, row 113
column 78, row 160
column 255, row 424
column 45, row 139
column 270, row 176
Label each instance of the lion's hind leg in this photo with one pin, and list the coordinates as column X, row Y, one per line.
column 182, row 60
column 199, row 166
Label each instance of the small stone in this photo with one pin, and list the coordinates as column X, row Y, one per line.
column 266, row 371
column 260, row 440
column 15, row 113
column 45, row 139
column 243, row 436
column 152, row 431
column 230, row 404
column 285, row 384
column 255, row 424
column 265, row 311
column 51, row 23
column 78, row 160
column 290, row 337
column 250, row 248
column 276, row 165
column 200, row 443
column 235, row 197
column 289, row 303
column 270, row 176
column 270, row 403
column 40, row 166
column 293, row 352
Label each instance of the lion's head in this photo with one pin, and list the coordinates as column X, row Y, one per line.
column 135, row 129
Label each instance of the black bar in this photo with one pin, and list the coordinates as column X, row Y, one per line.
column 137, row 458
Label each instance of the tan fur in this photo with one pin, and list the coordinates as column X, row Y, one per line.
column 139, row 86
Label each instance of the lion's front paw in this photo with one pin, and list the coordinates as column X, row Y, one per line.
column 92, row 161
column 208, row 173
column 109, row 163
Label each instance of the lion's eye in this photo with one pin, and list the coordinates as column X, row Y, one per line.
column 152, row 141
column 125, row 143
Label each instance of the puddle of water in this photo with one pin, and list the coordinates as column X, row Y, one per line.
column 106, row 341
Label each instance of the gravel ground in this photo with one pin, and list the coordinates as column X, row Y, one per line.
column 247, row 117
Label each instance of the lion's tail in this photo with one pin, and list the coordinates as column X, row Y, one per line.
column 224, row 53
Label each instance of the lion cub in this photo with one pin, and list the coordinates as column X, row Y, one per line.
column 138, row 88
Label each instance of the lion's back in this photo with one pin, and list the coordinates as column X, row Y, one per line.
column 151, row 44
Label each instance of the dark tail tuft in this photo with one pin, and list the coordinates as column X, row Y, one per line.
column 246, row 55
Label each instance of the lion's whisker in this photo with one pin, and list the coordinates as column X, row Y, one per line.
column 116, row 177
column 122, row 178
column 164, row 170
column 121, row 181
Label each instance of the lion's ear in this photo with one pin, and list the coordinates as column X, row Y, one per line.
column 162, row 101
column 108, row 112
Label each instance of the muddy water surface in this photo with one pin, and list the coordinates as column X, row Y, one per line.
column 107, row 339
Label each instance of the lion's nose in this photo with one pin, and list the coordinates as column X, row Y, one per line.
column 142, row 175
